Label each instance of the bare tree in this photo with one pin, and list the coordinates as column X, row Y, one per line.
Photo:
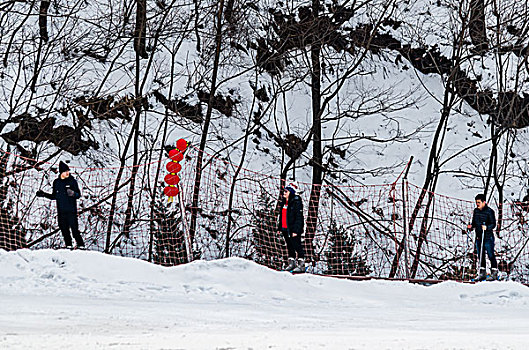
column 207, row 120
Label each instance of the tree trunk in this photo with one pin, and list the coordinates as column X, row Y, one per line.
column 140, row 29
column 43, row 30
column 43, row 20
column 432, row 171
column 312, row 216
column 234, row 182
column 115, row 192
column 207, row 121
column 422, row 235
column 477, row 25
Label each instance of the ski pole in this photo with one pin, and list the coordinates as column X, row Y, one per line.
column 480, row 255
column 466, row 256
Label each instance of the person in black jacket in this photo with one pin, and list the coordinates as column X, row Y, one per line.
column 66, row 192
column 291, row 227
column 484, row 221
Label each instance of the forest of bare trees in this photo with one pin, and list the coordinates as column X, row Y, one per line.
column 324, row 92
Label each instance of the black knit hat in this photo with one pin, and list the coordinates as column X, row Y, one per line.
column 63, row 167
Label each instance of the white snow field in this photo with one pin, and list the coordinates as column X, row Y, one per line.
column 88, row 300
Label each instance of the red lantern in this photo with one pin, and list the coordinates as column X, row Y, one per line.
column 170, row 191
column 176, row 155
column 181, row 144
column 172, row 179
column 173, row 167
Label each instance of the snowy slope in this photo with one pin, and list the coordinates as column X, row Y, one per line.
column 54, row 299
column 423, row 22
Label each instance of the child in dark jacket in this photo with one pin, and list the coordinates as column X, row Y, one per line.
column 483, row 222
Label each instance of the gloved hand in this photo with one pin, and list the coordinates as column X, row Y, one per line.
column 40, row 193
column 70, row 193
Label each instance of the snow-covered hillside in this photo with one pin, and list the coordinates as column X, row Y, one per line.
column 54, row 299
column 79, row 90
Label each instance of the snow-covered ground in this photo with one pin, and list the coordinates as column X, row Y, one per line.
column 63, row 299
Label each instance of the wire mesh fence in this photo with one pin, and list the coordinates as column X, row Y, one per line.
column 377, row 231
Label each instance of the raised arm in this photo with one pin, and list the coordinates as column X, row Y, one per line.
column 51, row 195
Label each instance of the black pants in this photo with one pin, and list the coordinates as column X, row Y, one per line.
column 68, row 221
column 293, row 244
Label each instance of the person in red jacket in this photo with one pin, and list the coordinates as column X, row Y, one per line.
column 291, row 227
column 66, row 192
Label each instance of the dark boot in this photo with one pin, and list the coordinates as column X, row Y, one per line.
column 482, row 274
column 493, row 275
column 300, row 266
column 291, row 264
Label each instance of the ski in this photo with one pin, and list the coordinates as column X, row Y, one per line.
column 489, row 278
column 299, row 272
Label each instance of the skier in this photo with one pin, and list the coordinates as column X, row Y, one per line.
column 291, row 227
column 66, row 192
column 484, row 221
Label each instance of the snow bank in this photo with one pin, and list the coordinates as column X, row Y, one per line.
column 57, row 299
